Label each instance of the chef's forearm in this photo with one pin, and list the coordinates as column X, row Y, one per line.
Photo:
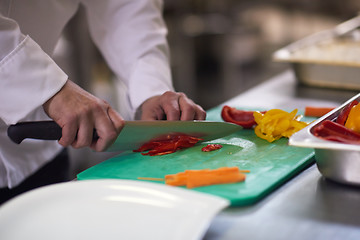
column 29, row 77
column 131, row 35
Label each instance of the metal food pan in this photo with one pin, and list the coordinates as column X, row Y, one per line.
column 329, row 58
column 325, row 75
column 339, row 162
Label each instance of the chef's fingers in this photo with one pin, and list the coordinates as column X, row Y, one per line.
column 107, row 136
column 171, row 106
column 108, row 127
column 68, row 133
column 200, row 113
column 152, row 110
column 189, row 110
column 192, row 112
column 169, row 102
column 84, row 135
column 116, row 119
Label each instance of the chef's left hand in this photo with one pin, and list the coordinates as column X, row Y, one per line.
column 171, row 106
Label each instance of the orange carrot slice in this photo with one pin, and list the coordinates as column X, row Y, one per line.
column 179, row 179
column 205, row 177
column 317, row 111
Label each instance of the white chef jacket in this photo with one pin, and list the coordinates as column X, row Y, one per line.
column 130, row 34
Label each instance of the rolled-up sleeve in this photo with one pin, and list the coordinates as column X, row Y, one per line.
column 28, row 76
column 131, row 35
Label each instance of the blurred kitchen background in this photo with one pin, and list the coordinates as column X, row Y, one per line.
column 219, row 48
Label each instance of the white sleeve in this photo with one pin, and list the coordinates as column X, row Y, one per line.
column 131, row 35
column 28, row 76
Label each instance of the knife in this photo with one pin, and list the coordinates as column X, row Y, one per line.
column 134, row 133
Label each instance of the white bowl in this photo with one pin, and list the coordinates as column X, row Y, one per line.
column 108, row 209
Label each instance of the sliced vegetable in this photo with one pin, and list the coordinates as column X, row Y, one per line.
column 205, row 177
column 170, row 144
column 277, row 123
column 317, row 111
column 333, row 131
column 353, row 119
column 211, row 147
column 341, row 119
column 239, row 117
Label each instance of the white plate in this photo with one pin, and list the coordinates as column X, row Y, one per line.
column 109, row 209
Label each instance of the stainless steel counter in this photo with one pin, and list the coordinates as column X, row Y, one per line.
column 306, row 207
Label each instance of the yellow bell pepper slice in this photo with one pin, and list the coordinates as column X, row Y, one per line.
column 277, row 123
column 353, row 120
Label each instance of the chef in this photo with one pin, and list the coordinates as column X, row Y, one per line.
column 131, row 36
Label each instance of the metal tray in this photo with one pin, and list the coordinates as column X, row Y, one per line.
column 336, row 161
column 329, row 58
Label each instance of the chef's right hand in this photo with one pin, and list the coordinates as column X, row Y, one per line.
column 78, row 113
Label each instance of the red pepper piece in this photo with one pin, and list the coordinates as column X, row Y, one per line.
column 185, row 141
column 171, row 144
column 158, row 152
column 239, row 117
column 341, row 119
column 211, row 147
column 333, row 131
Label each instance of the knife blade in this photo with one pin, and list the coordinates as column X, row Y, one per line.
column 134, row 133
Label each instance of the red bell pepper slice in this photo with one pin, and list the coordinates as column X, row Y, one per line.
column 170, row 144
column 333, row 131
column 211, row 147
column 239, row 117
column 147, row 146
column 341, row 119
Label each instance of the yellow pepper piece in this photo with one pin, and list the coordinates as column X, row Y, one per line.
column 277, row 123
column 353, row 120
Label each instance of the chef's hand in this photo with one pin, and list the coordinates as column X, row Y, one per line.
column 78, row 112
column 171, row 106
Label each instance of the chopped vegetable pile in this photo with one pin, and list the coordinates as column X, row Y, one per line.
column 269, row 125
column 343, row 115
column 277, row 123
column 170, row 144
column 205, row 177
column 346, row 127
column 333, row 131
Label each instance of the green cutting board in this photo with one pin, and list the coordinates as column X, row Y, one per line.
column 270, row 164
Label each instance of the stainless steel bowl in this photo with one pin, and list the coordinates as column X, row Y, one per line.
column 339, row 162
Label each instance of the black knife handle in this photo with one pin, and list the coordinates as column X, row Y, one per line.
column 44, row 130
